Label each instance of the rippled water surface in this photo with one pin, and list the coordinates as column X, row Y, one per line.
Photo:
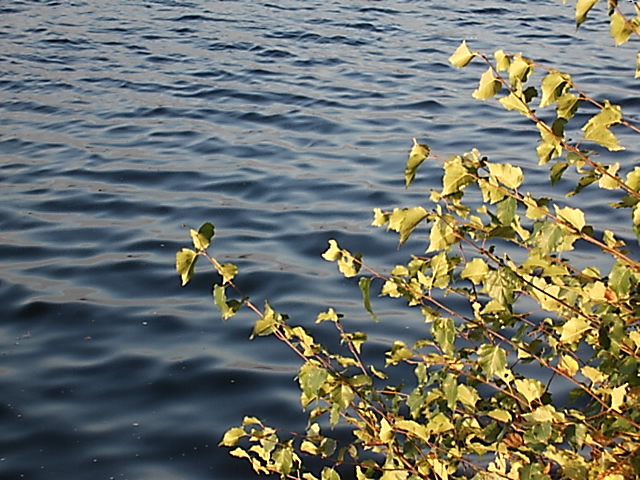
column 285, row 123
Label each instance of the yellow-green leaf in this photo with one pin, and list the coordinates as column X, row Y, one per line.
column 462, row 56
column 569, row 365
column 417, row 155
column 508, row 175
column 405, row 220
column 573, row 216
column 606, row 181
column 530, row 388
column 202, row 238
column 475, row 270
column 620, row 30
column 554, row 85
column 185, row 264
column 232, row 436
column 637, row 75
column 618, row 395
column 502, row 60
column 488, row 87
column 593, row 374
column 379, row 219
column 597, row 128
column 582, row 9
column 574, row 330
column 515, row 101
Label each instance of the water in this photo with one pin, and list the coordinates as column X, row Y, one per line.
column 283, row 123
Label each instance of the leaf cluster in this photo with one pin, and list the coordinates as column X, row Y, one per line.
column 501, row 296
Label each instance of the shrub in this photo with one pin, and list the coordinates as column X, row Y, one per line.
column 506, row 258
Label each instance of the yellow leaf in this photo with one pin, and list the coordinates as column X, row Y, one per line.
column 462, row 56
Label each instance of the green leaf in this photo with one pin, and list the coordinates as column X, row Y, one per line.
column 551, row 146
column 557, row 170
column 202, row 238
column 417, row 155
column 462, row 56
column 311, row 377
column 488, row 87
column 492, row 359
column 443, row 330
column 329, row 473
column 283, row 461
column 582, row 9
column 228, row 308
column 637, row 74
column 405, row 220
column 264, row 326
column 450, row 390
column 365, row 287
column 185, row 264
column 475, row 270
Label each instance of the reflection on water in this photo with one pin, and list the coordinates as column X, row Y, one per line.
column 283, row 123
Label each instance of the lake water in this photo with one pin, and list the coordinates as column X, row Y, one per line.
column 285, row 123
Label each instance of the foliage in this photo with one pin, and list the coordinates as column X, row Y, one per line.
column 473, row 409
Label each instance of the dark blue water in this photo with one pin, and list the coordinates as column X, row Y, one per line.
column 285, row 123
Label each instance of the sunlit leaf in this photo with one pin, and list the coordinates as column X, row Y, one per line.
column 264, row 326
column 475, row 270
column 228, row 272
column 379, row 219
column 333, row 253
column 514, row 101
column 597, row 128
column 488, row 87
column 502, row 60
column 185, row 264
column 492, row 359
column 507, row 174
column 202, row 238
column 573, row 330
column 442, row 235
column 329, row 473
column 405, row 220
column 417, row 155
column 593, row 374
column 582, row 9
column 530, row 388
column 232, row 436
column 618, row 395
column 443, row 330
column 439, row 424
column 311, row 377
column 456, row 176
column 637, row 74
column 620, row 30
column 329, row 315
column 228, row 308
column 573, row 216
column 554, row 85
column 519, row 71
column 462, row 56
column 386, row 432
column 606, row 181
